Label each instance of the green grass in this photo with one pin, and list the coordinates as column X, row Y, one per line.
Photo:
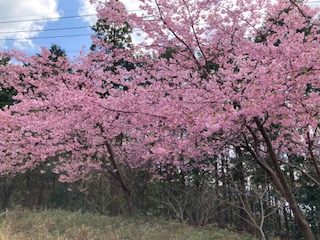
column 62, row 225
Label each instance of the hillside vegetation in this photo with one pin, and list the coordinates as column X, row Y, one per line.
column 58, row 224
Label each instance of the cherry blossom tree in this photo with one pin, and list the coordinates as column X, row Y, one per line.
column 240, row 74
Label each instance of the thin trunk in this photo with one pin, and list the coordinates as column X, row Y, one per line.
column 116, row 169
column 313, row 158
column 281, row 183
column 286, row 220
column 115, row 173
column 129, row 198
column 242, row 186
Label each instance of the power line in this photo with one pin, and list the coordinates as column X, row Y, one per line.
column 28, row 15
column 68, row 10
column 33, row 38
column 45, row 19
column 44, row 30
column 55, row 18
column 75, row 16
column 48, row 37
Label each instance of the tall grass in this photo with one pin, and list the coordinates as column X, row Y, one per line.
column 62, row 225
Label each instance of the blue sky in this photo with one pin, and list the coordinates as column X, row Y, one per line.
column 21, row 29
column 18, row 21
column 72, row 45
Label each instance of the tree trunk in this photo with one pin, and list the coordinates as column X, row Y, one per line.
column 281, row 183
column 242, row 187
column 286, row 220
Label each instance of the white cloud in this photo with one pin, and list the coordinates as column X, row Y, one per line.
column 87, row 8
column 17, row 19
column 132, row 6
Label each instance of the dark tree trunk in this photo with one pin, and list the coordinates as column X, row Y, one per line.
column 281, row 183
column 286, row 220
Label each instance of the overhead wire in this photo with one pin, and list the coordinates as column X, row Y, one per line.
column 57, row 29
column 64, row 17
column 34, row 38
column 52, row 29
column 74, row 16
column 58, row 36
column 45, row 30
column 54, row 18
column 57, row 18
column 45, row 19
column 48, row 13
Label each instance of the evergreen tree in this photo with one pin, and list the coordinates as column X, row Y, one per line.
column 6, row 94
column 118, row 38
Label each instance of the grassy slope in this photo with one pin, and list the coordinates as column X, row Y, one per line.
column 56, row 224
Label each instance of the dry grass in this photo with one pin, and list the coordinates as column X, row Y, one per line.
column 61, row 225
